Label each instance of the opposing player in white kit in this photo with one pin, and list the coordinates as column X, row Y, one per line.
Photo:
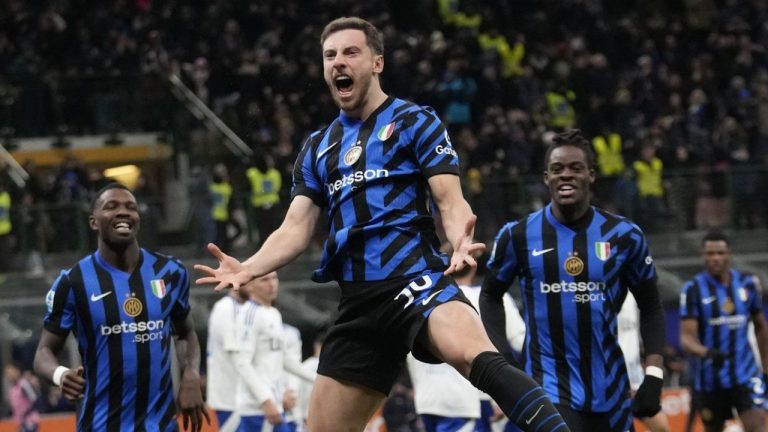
column 291, row 412
column 445, row 400
column 261, row 359
column 222, row 373
column 629, row 341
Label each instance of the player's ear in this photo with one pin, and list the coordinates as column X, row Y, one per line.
column 378, row 63
column 546, row 177
column 92, row 223
column 592, row 175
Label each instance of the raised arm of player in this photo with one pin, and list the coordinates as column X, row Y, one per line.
column 190, row 396
column 280, row 248
column 458, row 220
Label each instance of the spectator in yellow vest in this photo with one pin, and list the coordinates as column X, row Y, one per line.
column 265, row 182
column 5, row 228
column 648, row 173
column 221, row 195
column 610, row 163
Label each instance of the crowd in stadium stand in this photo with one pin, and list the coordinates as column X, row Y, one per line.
column 686, row 81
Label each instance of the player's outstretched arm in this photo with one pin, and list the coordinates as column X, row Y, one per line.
column 190, row 397
column 280, row 248
column 458, row 220
column 47, row 366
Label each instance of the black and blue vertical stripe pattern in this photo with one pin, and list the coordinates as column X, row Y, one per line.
column 723, row 314
column 371, row 176
column 126, row 351
column 572, row 290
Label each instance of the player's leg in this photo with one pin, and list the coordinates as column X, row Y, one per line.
column 337, row 406
column 715, row 409
column 455, row 334
column 657, row 423
column 753, row 420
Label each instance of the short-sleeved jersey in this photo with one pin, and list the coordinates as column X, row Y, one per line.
column 371, row 177
column 573, row 281
column 122, row 323
column 261, row 334
column 723, row 315
column 221, row 370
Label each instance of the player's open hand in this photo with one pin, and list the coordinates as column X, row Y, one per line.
column 230, row 272
column 190, row 402
column 73, row 384
column 464, row 249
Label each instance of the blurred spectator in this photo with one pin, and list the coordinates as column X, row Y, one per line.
column 649, row 171
column 23, row 397
column 220, row 190
column 201, row 204
column 610, row 164
column 457, row 89
column 265, row 184
column 6, row 237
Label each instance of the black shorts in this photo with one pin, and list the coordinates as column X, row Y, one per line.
column 378, row 325
column 717, row 406
column 582, row 421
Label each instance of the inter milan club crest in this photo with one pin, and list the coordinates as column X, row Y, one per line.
column 158, row 288
column 603, row 250
column 386, row 131
column 574, row 265
column 352, row 155
column 728, row 306
column 132, row 306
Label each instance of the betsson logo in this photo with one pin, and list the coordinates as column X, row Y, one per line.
column 585, row 291
column 136, row 327
column 356, row 177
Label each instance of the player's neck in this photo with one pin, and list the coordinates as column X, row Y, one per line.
column 124, row 259
column 724, row 277
column 572, row 214
column 375, row 98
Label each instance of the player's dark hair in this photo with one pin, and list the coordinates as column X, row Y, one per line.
column 103, row 190
column 372, row 35
column 715, row 235
column 573, row 138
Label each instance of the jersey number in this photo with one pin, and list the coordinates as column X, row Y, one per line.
column 426, row 283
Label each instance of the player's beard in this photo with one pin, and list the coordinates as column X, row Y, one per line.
column 359, row 95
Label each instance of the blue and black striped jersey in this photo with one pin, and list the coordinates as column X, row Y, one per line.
column 573, row 281
column 723, row 315
column 371, row 176
column 122, row 323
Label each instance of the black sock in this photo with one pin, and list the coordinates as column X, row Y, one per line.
column 522, row 400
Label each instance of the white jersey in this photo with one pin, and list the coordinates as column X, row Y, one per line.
column 220, row 363
column 305, row 388
column 629, row 340
column 513, row 321
column 260, row 342
column 440, row 390
column 292, row 338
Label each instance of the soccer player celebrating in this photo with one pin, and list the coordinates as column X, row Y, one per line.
column 575, row 263
column 121, row 303
column 716, row 307
column 378, row 169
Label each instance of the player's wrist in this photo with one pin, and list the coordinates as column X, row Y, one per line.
column 654, row 371
column 58, row 375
